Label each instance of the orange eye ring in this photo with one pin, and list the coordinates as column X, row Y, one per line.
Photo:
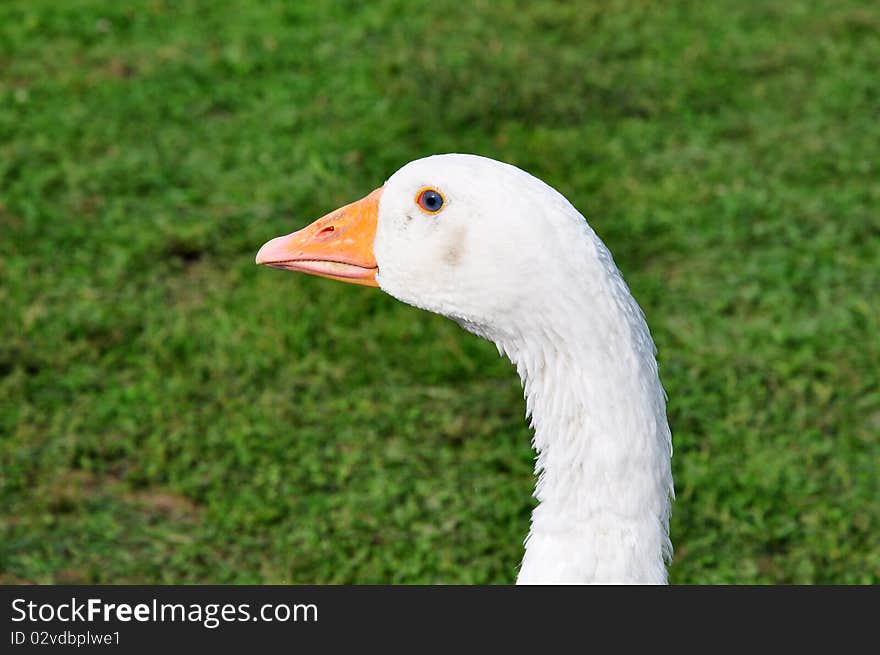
column 430, row 200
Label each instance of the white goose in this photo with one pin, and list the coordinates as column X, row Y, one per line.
column 510, row 259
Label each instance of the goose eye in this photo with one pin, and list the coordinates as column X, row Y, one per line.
column 430, row 200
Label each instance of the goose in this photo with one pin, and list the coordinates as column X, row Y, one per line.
column 508, row 258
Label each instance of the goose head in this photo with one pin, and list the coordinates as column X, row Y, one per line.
column 510, row 259
column 468, row 237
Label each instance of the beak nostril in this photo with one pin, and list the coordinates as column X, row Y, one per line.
column 326, row 230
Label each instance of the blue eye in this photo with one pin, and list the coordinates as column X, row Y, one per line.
column 430, row 200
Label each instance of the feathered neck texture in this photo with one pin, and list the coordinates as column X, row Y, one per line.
column 512, row 260
column 587, row 364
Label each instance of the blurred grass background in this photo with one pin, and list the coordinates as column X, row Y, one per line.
column 173, row 414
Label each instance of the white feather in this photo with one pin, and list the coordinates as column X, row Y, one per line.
column 511, row 260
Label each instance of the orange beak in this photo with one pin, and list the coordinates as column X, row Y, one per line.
column 338, row 246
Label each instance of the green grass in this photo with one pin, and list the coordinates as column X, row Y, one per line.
column 171, row 413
